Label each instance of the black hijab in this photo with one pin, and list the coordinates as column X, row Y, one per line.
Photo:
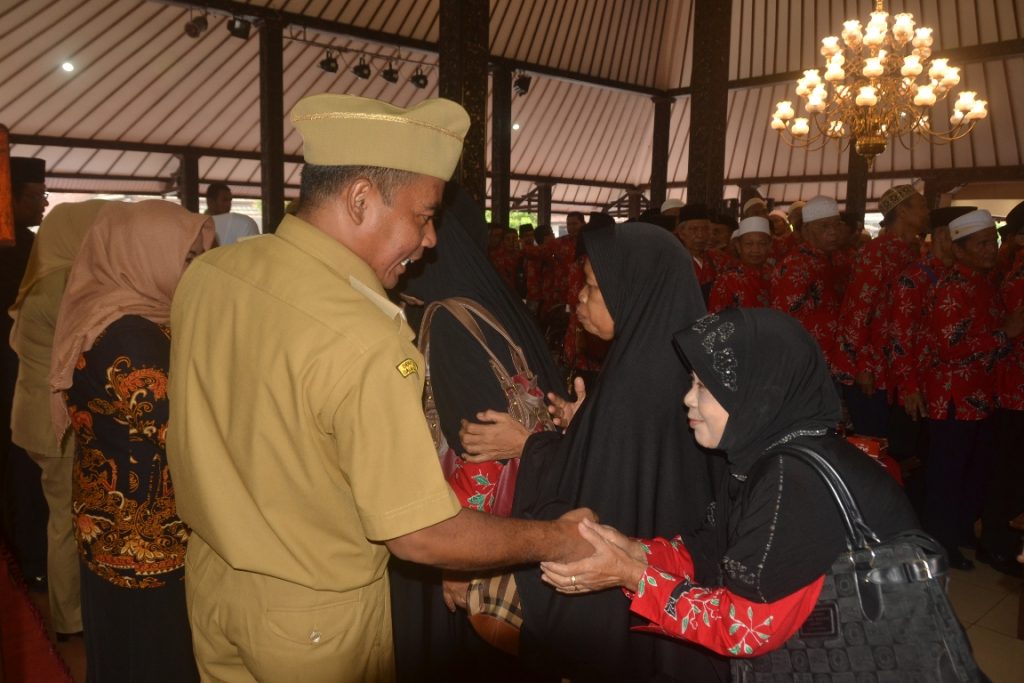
column 777, row 527
column 628, row 455
column 761, row 364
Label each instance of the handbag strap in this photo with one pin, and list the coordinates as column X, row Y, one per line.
column 859, row 536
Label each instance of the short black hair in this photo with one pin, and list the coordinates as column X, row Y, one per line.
column 577, row 214
column 319, row 183
column 214, row 190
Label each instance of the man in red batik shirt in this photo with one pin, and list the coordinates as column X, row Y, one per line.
column 867, row 314
column 968, row 331
column 804, row 283
column 746, row 284
column 694, row 231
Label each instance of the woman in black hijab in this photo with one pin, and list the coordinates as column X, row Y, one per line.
column 627, row 454
column 746, row 581
column 430, row 642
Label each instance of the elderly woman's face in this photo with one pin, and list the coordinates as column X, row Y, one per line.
column 591, row 310
column 706, row 415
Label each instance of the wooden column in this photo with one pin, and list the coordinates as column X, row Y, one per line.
column 501, row 143
column 271, row 122
column 659, row 149
column 543, row 204
column 463, row 51
column 188, row 181
column 856, row 185
column 709, row 106
column 635, row 204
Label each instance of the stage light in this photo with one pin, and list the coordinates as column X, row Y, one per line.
column 329, row 63
column 239, row 27
column 419, row 79
column 362, row 69
column 390, row 74
column 195, row 26
column 522, row 84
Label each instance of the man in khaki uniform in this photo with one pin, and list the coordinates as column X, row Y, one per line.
column 298, row 446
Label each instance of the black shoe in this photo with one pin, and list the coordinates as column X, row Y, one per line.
column 1001, row 563
column 958, row 561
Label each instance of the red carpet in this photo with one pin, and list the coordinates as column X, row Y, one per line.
column 28, row 654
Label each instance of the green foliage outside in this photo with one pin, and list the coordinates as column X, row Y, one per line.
column 516, row 218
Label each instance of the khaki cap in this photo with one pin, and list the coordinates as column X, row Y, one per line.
column 345, row 130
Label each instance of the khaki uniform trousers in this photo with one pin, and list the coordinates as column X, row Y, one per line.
column 249, row 627
column 62, row 567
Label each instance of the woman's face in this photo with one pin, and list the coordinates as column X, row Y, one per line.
column 591, row 309
column 706, row 415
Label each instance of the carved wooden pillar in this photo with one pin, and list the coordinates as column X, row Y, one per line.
column 543, row 204
column 271, row 122
column 705, row 177
column 501, row 144
column 463, row 52
column 659, row 149
column 856, row 186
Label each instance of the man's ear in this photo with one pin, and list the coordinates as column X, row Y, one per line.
column 356, row 199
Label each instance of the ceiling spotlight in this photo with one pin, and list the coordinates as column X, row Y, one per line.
column 419, row 79
column 516, row 126
column 195, row 26
column 68, row 66
column 522, row 84
column 329, row 63
column 390, row 74
column 239, row 27
column 362, row 69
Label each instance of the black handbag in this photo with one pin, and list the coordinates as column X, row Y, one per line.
column 883, row 614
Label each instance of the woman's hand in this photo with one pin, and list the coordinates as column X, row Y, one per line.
column 455, row 591
column 617, row 561
column 497, row 436
column 562, row 411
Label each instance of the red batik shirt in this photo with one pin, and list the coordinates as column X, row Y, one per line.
column 865, row 316
column 741, row 286
column 907, row 324
column 781, row 246
column 1011, row 368
column 557, row 258
column 964, row 340
column 506, row 262
column 716, row 618
column 804, row 285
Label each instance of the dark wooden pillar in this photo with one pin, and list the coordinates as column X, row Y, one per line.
column 501, row 143
column 636, row 203
column 659, row 149
column 271, row 122
column 856, row 186
column 463, row 51
column 188, row 181
column 543, row 204
column 709, row 106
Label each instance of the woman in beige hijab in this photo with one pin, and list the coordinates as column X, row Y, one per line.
column 35, row 315
column 109, row 377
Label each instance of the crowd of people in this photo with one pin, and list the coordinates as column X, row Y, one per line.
column 310, row 454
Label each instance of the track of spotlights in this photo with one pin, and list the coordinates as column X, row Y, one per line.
column 239, row 27
column 419, row 79
column 362, row 69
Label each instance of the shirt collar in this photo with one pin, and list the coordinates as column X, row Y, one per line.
column 339, row 259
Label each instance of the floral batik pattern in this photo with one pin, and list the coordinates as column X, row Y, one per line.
column 806, row 287
column 741, row 286
column 720, row 620
column 126, row 523
column 1011, row 368
column 907, row 342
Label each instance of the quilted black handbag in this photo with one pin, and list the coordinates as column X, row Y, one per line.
column 883, row 614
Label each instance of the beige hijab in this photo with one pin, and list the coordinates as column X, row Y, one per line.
column 56, row 245
column 129, row 263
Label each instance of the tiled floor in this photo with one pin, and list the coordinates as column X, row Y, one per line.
column 988, row 605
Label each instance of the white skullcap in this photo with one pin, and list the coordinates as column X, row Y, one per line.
column 970, row 223
column 751, row 202
column 780, row 213
column 753, row 224
column 671, row 204
column 820, row 207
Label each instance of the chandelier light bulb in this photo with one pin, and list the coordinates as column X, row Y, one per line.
column 800, row 127
column 872, row 67
column 912, row 66
column 852, row 34
column 830, row 46
column 866, row 96
column 957, row 118
column 938, row 69
column 903, row 28
column 834, row 73
column 925, row 96
column 784, row 110
column 874, row 36
column 922, row 37
column 978, row 111
column 778, row 124
column 965, row 101
column 812, row 78
column 951, row 77
column 835, row 129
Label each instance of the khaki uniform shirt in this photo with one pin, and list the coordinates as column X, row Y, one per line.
column 297, row 436
column 32, row 340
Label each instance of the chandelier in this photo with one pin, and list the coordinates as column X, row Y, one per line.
column 880, row 82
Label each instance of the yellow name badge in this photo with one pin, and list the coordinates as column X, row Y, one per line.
column 407, row 367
